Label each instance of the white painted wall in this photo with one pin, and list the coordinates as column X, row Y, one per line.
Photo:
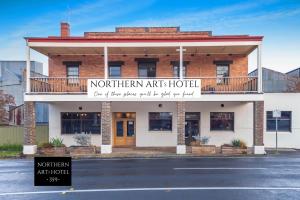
column 55, row 122
column 284, row 102
column 144, row 137
column 243, row 113
column 243, row 121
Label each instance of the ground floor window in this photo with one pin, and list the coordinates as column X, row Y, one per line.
column 78, row 122
column 284, row 122
column 222, row 121
column 160, row 121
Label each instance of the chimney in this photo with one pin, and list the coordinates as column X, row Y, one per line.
column 64, row 29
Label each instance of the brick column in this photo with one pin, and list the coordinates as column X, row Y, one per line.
column 106, row 121
column 258, row 127
column 180, row 107
column 29, row 146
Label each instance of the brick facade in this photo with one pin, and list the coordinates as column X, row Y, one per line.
column 180, row 107
column 199, row 65
column 29, row 123
column 258, row 114
column 106, row 122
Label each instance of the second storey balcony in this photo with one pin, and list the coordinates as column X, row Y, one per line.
column 209, row 85
column 221, row 64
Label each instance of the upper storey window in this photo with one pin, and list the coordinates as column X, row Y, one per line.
column 72, row 72
column 222, row 71
column 114, row 69
column 147, row 69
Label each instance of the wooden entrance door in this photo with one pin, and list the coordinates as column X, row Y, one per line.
column 124, row 129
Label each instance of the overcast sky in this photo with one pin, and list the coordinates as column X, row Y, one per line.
column 277, row 21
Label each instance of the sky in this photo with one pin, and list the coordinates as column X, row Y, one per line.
column 278, row 21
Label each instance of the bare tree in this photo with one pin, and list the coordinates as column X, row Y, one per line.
column 6, row 100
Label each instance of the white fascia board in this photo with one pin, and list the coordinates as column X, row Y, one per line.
column 142, row 44
column 84, row 97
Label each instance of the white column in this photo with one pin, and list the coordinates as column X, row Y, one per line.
column 105, row 62
column 259, row 70
column 27, row 69
column 181, row 62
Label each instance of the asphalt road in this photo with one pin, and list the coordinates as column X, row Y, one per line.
column 270, row 177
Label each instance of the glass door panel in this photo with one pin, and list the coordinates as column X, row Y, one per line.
column 130, row 128
column 120, row 129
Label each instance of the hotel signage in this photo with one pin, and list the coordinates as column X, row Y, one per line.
column 52, row 171
column 144, row 89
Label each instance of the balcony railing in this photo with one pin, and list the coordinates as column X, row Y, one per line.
column 209, row 85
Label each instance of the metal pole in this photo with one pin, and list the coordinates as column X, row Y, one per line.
column 105, row 62
column 276, row 134
column 28, row 68
column 181, row 62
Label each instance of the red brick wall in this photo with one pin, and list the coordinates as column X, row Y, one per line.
column 199, row 66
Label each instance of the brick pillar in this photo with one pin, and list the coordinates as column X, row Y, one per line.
column 29, row 128
column 106, row 120
column 258, row 127
column 180, row 107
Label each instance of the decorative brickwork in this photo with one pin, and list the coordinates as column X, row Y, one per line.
column 258, row 114
column 180, row 122
column 106, row 120
column 29, row 123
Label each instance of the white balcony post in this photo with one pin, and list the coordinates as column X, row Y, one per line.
column 259, row 70
column 181, row 62
column 28, row 69
column 105, row 62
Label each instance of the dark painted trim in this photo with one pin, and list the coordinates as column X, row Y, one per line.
column 118, row 62
column 146, row 59
column 220, row 62
column 176, row 62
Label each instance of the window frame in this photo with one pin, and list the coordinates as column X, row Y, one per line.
column 74, row 79
column 228, row 130
column 145, row 65
column 109, row 71
column 149, row 121
column 178, row 71
column 222, row 80
column 273, row 119
column 61, row 122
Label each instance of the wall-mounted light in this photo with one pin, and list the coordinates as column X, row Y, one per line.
column 160, row 105
column 222, row 105
column 80, row 108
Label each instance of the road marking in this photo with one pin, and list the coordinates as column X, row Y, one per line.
column 220, row 168
column 148, row 189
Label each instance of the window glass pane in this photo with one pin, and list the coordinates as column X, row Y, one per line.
column 222, row 72
column 222, row 121
column 147, row 70
column 120, row 130
column 80, row 122
column 284, row 122
column 73, row 74
column 115, row 71
column 160, row 121
column 130, row 128
column 176, row 71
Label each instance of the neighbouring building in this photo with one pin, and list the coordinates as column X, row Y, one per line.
column 12, row 83
column 282, row 92
column 232, row 104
